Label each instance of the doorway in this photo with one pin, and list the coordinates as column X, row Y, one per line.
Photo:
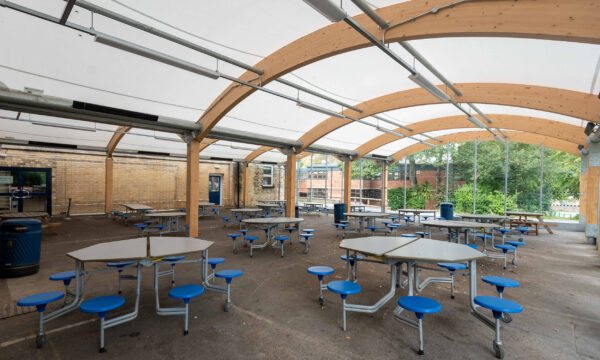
column 25, row 189
column 214, row 189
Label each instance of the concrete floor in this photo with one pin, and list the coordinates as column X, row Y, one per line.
column 275, row 314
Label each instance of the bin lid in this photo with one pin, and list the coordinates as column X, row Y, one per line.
column 20, row 222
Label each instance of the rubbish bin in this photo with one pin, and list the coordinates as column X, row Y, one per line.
column 297, row 211
column 447, row 211
column 20, row 247
column 338, row 212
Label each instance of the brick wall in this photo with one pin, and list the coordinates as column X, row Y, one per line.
column 257, row 192
column 157, row 182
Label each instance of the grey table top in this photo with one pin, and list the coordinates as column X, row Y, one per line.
column 483, row 216
column 246, row 210
column 167, row 214
column 367, row 214
column 273, row 220
column 139, row 248
column 375, row 245
column 435, row 251
column 137, row 206
column 459, row 224
column 417, row 211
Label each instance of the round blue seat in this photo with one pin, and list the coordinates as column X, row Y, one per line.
column 372, row 228
column 234, row 236
column 140, row 226
column 251, row 238
column 516, row 243
column 408, row 235
column 336, row 225
column 386, row 222
column 282, row 238
column 522, row 229
column 160, row 227
column 243, row 231
column 472, row 246
column 102, row 304
column 452, row 266
column 489, row 237
column 40, row 300
column 186, row 292
column 228, row 274
column 290, row 229
column 174, row 258
column 65, row 277
column 500, row 282
column 213, row 262
column 419, row 305
column 344, row 288
column 358, row 256
column 505, row 248
column 504, row 231
column 344, row 221
column 498, row 305
column 310, row 231
column 306, row 236
column 343, row 226
column 119, row 264
column 422, row 234
column 320, row 271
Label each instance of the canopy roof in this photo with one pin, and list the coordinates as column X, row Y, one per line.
column 556, row 77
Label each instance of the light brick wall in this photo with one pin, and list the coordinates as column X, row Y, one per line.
column 256, row 191
column 159, row 183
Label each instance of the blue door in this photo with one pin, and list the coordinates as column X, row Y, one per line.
column 25, row 189
column 214, row 189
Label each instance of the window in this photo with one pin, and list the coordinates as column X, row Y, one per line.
column 267, row 176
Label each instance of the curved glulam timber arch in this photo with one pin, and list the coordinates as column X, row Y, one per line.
column 565, row 102
column 575, row 21
column 548, row 128
column 514, row 136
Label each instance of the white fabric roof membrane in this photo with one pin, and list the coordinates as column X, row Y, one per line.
column 69, row 64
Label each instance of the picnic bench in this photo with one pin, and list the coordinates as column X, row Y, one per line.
column 523, row 219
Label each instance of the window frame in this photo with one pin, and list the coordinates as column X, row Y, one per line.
column 268, row 176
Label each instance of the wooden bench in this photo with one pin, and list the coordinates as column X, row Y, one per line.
column 52, row 227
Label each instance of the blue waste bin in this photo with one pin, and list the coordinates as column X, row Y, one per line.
column 20, row 247
column 447, row 211
column 338, row 212
column 297, row 211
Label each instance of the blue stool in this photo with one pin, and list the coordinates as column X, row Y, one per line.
column 501, row 283
column 226, row 220
column 234, row 238
column 250, row 239
column 344, row 227
column 141, row 227
column 40, row 301
column 392, row 228
column 353, row 265
column 290, row 229
column 419, row 305
column 66, row 278
column 213, row 262
column 407, row 219
column 344, row 288
column 102, row 305
column 393, row 218
column 516, row 244
column 373, row 229
column 309, row 231
column 408, row 235
column 422, row 234
column 243, row 231
column 425, row 217
column 120, row 265
column 148, row 222
column 185, row 292
column 503, row 232
column 452, row 267
column 173, row 260
column 523, row 230
column 306, row 241
column 498, row 306
column 281, row 239
column 472, row 246
column 160, row 228
column 321, row 271
column 505, row 249
column 228, row 275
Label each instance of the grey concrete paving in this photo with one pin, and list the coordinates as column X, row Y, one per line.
column 275, row 313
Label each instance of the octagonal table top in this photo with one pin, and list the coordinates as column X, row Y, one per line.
column 435, row 251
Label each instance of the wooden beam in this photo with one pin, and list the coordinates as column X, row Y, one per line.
column 290, row 185
column 550, row 128
column 245, row 182
column 108, row 185
column 116, row 138
column 514, row 136
column 574, row 20
column 192, row 187
column 347, row 183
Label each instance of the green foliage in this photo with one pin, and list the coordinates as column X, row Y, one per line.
column 371, row 170
column 488, row 202
column 416, row 197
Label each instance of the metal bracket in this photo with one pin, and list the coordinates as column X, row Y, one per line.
column 190, row 135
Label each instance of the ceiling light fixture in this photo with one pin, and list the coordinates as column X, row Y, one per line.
column 64, row 126
column 476, row 121
column 154, row 55
column 328, row 9
column 427, row 85
column 320, row 109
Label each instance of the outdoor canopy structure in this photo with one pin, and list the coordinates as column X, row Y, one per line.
column 244, row 80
